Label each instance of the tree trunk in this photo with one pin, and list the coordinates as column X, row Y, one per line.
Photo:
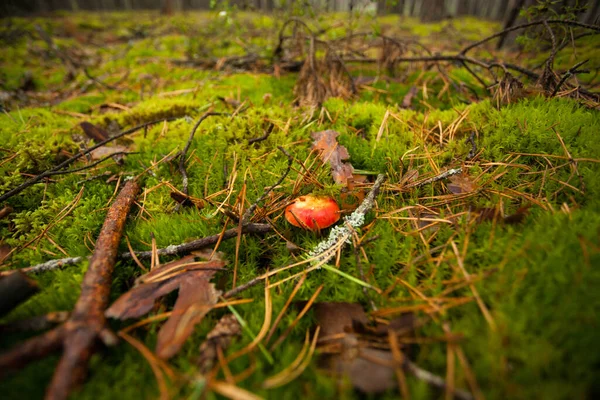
column 510, row 21
column 432, row 10
column 462, row 8
column 592, row 16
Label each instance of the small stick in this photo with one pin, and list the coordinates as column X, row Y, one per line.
column 171, row 250
column 572, row 71
column 189, row 143
column 438, row 177
column 248, row 214
column 263, row 137
column 198, row 244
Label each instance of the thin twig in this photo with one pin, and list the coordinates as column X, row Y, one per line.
column 263, row 137
column 248, row 214
column 171, row 250
column 187, row 147
column 77, row 156
column 523, row 26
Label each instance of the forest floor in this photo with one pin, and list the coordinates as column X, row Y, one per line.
column 474, row 272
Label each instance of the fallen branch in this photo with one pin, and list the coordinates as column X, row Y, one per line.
column 172, row 250
column 530, row 24
column 87, row 324
column 198, row 244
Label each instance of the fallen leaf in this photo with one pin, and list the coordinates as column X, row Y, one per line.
column 94, row 132
column 5, row 211
column 196, row 297
column 461, row 183
column 368, row 369
column 518, row 216
column 337, row 317
column 353, row 195
column 4, row 251
column 219, row 337
column 334, row 154
column 106, row 151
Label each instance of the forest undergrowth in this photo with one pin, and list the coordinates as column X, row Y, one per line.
column 466, row 260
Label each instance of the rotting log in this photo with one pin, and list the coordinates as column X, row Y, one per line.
column 80, row 334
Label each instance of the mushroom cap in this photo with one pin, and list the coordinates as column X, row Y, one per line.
column 313, row 212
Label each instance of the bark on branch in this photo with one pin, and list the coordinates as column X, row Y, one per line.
column 80, row 334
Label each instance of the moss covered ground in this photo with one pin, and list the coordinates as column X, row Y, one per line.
column 538, row 279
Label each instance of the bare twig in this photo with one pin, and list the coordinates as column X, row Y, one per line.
column 248, row 214
column 76, row 157
column 171, row 250
column 38, row 323
column 530, row 24
column 572, row 71
column 199, row 243
column 263, row 137
column 187, row 147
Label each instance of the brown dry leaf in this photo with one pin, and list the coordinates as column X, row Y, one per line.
column 4, row 251
column 518, row 216
column 5, row 211
column 352, row 196
column 196, row 297
column 461, row 183
column 338, row 317
column 334, row 154
column 140, row 299
column 351, row 359
column 219, row 337
column 370, row 370
column 105, row 151
column 94, row 132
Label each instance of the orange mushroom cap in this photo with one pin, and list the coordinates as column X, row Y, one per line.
column 313, row 212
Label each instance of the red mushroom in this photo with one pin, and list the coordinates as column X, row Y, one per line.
column 313, row 212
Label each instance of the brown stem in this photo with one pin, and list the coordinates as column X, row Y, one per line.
column 86, row 325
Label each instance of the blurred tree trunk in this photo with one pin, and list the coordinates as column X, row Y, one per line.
column 462, row 8
column 512, row 17
column 592, row 15
column 412, row 11
column 432, row 10
column 399, row 7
